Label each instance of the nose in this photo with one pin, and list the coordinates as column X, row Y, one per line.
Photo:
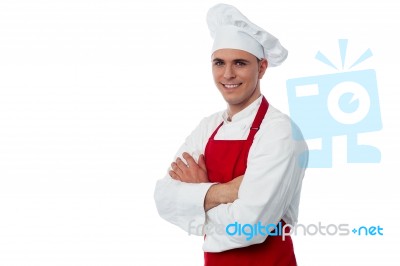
column 229, row 72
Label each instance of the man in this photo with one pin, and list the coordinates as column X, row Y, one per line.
column 241, row 166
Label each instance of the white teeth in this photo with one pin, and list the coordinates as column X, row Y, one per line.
column 231, row 86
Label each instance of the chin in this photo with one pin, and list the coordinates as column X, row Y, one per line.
column 232, row 99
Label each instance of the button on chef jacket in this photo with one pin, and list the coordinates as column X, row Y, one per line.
column 269, row 192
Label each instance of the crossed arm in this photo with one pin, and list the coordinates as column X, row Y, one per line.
column 193, row 172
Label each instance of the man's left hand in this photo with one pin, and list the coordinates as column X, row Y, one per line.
column 191, row 172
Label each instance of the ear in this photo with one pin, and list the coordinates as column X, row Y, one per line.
column 263, row 65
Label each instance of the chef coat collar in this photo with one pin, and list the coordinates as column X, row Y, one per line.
column 249, row 110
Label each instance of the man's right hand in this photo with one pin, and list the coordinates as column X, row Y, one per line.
column 222, row 193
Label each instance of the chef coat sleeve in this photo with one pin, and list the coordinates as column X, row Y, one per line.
column 270, row 189
column 182, row 203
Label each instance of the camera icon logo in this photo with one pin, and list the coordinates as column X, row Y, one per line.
column 330, row 105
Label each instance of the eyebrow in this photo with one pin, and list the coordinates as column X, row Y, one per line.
column 217, row 59
column 234, row 60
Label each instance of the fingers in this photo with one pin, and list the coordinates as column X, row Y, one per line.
column 190, row 172
column 176, row 169
column 181, row 165
column 202, row 162
column 173, row 175
column 197, row 170
column 189, row 159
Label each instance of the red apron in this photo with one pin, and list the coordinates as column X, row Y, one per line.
column 225, row 160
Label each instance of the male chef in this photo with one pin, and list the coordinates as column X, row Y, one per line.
column 240, row 166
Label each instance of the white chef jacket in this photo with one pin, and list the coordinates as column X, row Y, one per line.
column 269, row 192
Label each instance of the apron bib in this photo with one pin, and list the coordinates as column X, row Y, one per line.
column 225, row 160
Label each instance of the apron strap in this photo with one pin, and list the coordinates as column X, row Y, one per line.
column 262, row 110
column 216, row 130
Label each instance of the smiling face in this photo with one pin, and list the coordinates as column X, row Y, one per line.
column 236, row 74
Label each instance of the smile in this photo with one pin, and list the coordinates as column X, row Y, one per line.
column 231, row 86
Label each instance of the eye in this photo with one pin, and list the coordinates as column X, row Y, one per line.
column 218, row 63
column 240, row 63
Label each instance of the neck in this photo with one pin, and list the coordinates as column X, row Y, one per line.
column 233, row 109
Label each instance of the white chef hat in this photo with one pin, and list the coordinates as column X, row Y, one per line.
column 231, row 29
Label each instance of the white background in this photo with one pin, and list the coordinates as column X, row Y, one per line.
column 96, row 96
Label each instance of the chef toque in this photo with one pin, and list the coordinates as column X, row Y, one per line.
column 231, row 29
